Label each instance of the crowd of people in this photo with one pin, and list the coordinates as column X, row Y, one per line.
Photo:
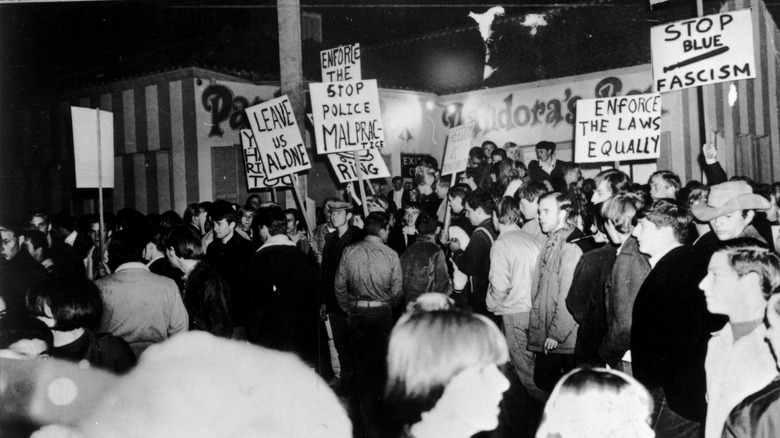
column 514, row 301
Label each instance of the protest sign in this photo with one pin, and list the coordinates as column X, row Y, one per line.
column 255, row 175
column 346, row 116
column 618, row 128
column 409, row 162
column 456, row 157
column 341, row 64
column 703, row 50
column 279, row 141
column 371, row 165
column 85, row 147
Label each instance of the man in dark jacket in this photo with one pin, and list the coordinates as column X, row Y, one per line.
column 671, row 324
column 282, row 288
column 546, row 167
column 474, row 260
column 229, row 254
column 18, row 270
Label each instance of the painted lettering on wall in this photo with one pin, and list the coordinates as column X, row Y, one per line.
column 223, row 106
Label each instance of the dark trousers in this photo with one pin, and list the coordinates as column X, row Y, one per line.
column 668, row 424
column 369, row 333
column 338, row 324
column 550, row 367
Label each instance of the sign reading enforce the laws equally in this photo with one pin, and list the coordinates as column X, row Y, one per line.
column 279, row 141
column 346, row 116
column 456, row 157
column 371, row 165
column 255, row 175
column 703, row 50
column 618, row 128
column 341, row 64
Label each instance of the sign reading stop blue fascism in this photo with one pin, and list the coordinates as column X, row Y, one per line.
column 346, row 116
column 703, row 50
column 278, row 139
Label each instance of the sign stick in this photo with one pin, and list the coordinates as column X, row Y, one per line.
column 360, row 183
column 273, row 195
column 371, row 187
column 102, row 242
column 701, row 98
column 301, row 204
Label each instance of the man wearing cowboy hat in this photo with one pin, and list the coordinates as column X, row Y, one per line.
column 730, row 209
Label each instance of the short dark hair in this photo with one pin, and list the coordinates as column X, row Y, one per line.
column 221, row 209
column 15, row 327
column 126, row 246
column 476, row 152
column 185, row 243
column 426, row 223
column 62, row 220
column 74, row 302
column 569, row 167
column 459, row 191
column 37, row 238
column 617, row 180
column 532, row 191
column 170, row 218
column 668, row 213
column 544, row 144
column 155, row 236
column 130, row 219
column 397, row 178
column 376, row 222
column 499, row 151
column 507, row 210
column 481, row 200
column 273, row 218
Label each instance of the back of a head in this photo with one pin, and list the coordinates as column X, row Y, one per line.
column 617, row 180
column 476, row 153
column 507, row 211
column 426, row 224
column 459, row 191
column 622, row 210
column 427, row 349
column 126, row 246
column 481, row 200
column 74, row 303
column 376, row 222
column 532, row 191
column 15, row 327
column 196, row 384
column 596, row 403
column 130, row 219
column 668, row 213
column 185, row 243
column 273, row 218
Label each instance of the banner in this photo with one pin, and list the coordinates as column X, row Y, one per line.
column 85, row 147
column 703, row 50
column 279, row 141
column 346, row 116
column 371, row 164
column 255, row 176
column 456, row 157
column 618, row 128
column 341, row 64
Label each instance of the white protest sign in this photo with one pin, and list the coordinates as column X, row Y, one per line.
column 346, row 116
column 255, row 175
column 278, row 139
column 458, row 146
column 703, row 50
column 618, row 128
column 371, row 165
column 85, row 147
column 341, row 64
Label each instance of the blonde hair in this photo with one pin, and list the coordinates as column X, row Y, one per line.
column 428, row 349
column 597, row 403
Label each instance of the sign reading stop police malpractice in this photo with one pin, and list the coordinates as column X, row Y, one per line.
column 346, row 116
column 278, row 139
column 703, row 50
column 618, row 128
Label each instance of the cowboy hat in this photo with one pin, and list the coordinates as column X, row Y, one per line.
column 727, row 198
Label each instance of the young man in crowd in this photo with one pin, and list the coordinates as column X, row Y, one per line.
column 206, row 293
column 457, row 196
column 474, row 261
column 664, row 184
column 403, row 235
column 397, row 196
column 229, row 254
column 741, row 276
column 670, row 324
column 369, row 283
column 140, row 307
column 627, row 275
column 529, row 196
column 552, row 329
column 546, row 167
column 423, row 263
column 512, row 261
column 730, row 209
column 282, row 289
column 18, row 269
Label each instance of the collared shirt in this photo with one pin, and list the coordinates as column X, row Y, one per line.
column 71, row 239
column 654, row 259
column 548, row 167
column 369, row 270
